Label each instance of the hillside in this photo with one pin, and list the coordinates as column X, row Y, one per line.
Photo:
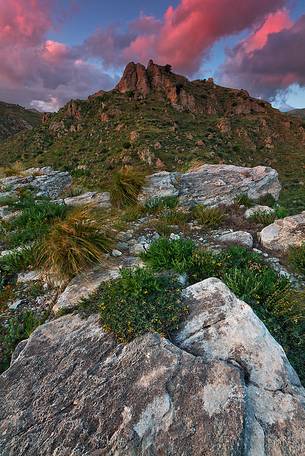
column 298, row 113
column 155, row 119
column 15, row 118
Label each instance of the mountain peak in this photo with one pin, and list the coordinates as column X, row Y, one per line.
column 155, row 79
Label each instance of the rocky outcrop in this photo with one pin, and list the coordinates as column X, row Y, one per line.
column 284, row 233
column 45, row 181
column 94, row 199
column 225, row 388
column 213, row 185
column 159, row 81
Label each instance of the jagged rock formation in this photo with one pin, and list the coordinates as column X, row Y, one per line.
column 15, row 118
column 45, row 181
column 223, row 387
column 284, row 233
column 213, row 185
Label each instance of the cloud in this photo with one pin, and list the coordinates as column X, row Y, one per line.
column 36, row 71
column 271, row 59
column 183, row 36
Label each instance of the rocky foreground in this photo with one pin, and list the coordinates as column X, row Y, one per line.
column 221, row 386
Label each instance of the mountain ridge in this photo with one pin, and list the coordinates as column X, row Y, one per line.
column 15, row 118
column 155, row 120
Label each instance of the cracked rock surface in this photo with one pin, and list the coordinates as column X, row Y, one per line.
column 223, row 387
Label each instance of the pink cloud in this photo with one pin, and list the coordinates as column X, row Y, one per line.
column 270, row 60
column 184, row 35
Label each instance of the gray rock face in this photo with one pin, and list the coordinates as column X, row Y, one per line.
column 213, row 185
column 258, row 209
column 237, row 237
column 228, row 388
column 45, row 181
column 100, row 200
column 284, row 233
column 221, row 327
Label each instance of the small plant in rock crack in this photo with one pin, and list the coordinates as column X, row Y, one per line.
column 296, row 258
column 14, row 331
column 155, row 205
column 208, row 217
column 139, row 302
column 263, row 218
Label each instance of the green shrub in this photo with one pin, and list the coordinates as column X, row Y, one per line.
column 266, row 200
column 208, row 217
column 203, row 264
column 255, row 286
column 73, row 243
column 155, row 205
column 18, row 260
column 296, row 258
column 33, row 222
column 236, row 256
column 14, row 331
column 139, row 302
column 166, row 254
column 126, row 186
column 243, row 200
column 263, row 218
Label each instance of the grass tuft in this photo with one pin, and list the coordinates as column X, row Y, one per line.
column 74, row 243
column 208, row 217
column 126, row 186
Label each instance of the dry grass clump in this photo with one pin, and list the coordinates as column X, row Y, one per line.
column 16, row 169
column 74, row 243
column 208, row 217
column 126, row 186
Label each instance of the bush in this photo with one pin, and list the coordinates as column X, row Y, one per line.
column 18, row 260
column 208, row 217
column 73, row 243
column 243, row 200
column 202, row 265
column 263, row 218
column 33, row 222
column 126, row 186
column 139, row 302
column 166, row 254
column 155, row 205
column 296, row 258
column 14, row 331
column 266, row 200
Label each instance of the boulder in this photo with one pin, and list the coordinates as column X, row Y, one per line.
column 237, row 237
column 258, row 210
column 221, row 327
column 284, row 233
column 213, row 185
column 222, row 387
column 94, row 199
column 45, row 181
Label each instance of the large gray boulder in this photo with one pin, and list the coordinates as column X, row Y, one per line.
column 284, row 233
column 213, row 185
column 45, row 181
column 224, row 387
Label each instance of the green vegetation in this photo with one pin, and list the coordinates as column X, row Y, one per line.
column 263, row 218
column 165, row 254
column 208, row 217
column 73, row 243
column 279, row 306
column 14, row 331
column 296, row 258
column 155, row 205
column 14, row 118
column 244, row 200
column 126, row 186
column 139, row 302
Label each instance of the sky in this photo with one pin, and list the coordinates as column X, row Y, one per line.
column 55, row 50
